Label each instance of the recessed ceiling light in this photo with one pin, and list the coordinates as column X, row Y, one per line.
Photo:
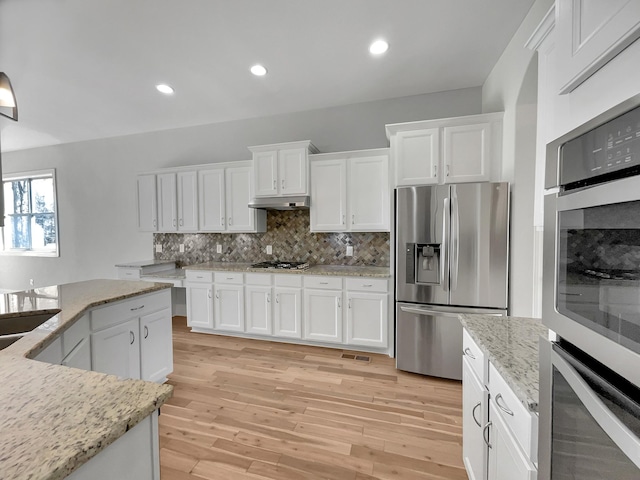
column 378, row 47
column 258, row 70
column 166, row 89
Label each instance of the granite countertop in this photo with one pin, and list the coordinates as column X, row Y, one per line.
column 335, row 270
column 145, row 263
column 511, row 344
column 174, row 273
column 55, row 418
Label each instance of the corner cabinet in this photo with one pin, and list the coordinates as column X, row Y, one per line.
column 447, row 150
column 282, row 169
column 590, row 33
column 350, row 192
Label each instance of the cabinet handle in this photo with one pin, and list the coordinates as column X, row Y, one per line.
column 132, row 336
column 222, row 221
column 181, row 222
column 368, row 285
column 349, row 303
column 324, row 283
column 268, row 298
column 485, row 436
column 447, row 169
column 353, row 219
column 503, row 407
column 339, row 303
column 218, row 295
column 283, row 183
column 473, row 414
column 343, row 218
column 155, row 223
column 137, row 308
column 209, row 293
column 277, row 298
column 468, row 353
column 175, row 222
column 274, row 185
column 229, row 278
column 435, row 170
column 146, row 331
column 230, row 221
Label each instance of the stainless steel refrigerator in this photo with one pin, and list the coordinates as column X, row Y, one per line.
column 452, row 249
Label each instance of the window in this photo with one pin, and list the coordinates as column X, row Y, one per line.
column 31, row 223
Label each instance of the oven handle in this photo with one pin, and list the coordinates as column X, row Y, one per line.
column 617, row 191
column 614, row 428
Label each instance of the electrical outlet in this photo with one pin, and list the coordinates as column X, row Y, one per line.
column 269, row 250
column 182, row 248
column 218, row 248
column 158, row 248
column 349, row 250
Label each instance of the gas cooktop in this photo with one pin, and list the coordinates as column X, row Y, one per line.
column 282, row 265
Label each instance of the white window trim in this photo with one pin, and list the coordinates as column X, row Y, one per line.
column 6, row 177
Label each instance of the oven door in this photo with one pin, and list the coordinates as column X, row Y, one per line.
column 589, row 419
column 591, row 291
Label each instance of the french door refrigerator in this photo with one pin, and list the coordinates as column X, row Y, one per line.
column 451, row 258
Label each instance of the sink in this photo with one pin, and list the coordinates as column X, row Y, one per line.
column 13, row 329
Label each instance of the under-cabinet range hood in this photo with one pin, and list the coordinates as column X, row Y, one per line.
column 281, row 203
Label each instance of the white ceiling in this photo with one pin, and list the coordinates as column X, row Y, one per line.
column 86, row 69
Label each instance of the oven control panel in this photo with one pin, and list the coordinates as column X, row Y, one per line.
column 611, row 147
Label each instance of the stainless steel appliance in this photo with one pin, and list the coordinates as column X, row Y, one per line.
column 590, row 377
column 282, row 265
column 451, row 258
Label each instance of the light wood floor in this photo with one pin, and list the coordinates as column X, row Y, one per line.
column 249, row 409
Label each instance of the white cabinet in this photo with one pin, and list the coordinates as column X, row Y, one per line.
column 167, row 203
column 506, row 460
column 258, row 310
column 52, row 353
column 323, row 315
column 147, row 203
column 229, row 307
column 367, row 319
column 199, row 287
column 282, row 169
column 447, row 150
column 288, row 312
column 475, row 402
column 80, row 356
column 350, row 192
column 590, row 33
column 187, row 201
column 177, row 201
column 212, row 200
column 116, row 350
column 156, row 346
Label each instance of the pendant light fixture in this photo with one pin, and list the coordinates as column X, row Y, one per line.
column 9, row 109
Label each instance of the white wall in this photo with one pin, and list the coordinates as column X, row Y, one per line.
column 512, row 87
column 96, row 179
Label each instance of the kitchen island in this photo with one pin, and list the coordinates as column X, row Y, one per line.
column 55, row 418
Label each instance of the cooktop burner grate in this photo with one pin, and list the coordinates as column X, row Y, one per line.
column 282, row 265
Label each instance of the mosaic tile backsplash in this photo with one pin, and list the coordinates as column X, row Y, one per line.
column 288, row 233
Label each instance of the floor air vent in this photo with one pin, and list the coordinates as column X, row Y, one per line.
column 362, row 358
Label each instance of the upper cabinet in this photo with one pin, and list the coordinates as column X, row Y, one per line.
column 448, row 150
column 589, row 34
column 147, row 203
column 350, row 192
column 282, row 169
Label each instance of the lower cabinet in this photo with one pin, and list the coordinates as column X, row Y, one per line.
column 323, row 315
column 287, row 312
column 475, row 401
column 156, row 346
column 258, row 310
column 229, row 308
column 199, row 305
column 116, row 350
column 367, row 319
column 80, row 356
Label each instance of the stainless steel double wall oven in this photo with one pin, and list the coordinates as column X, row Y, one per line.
column 590, row 376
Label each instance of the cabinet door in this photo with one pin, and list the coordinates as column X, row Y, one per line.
column 187, row 201
column 506, row 460
column 200, row 305
column 240, row 218
column 466, row 153
column 328, row 196
column 323, row 315
column 116, row 350
column 475, row 402
column 265, row 171
column 292, row 171
column 258, row 310
column 80, row 356
column 156, row 346
column 229, row 308
column 590, row 33
column 416, row 156
column 369, row 200
column 367, row 319
column 288, row 312
column 167, row 207
column 147, row 203
column 211, row 206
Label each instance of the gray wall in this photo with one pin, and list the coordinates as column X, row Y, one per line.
column 96, row 179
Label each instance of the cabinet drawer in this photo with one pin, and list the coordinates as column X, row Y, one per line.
column 230, row 278
column 74, row 334
column 202, row 276
column 118, row 312
column 128, row 273
column 521, row 422
column 326, row 283
column 263, row 279
column 378, row 285
column 476, row 357
column 290, row 280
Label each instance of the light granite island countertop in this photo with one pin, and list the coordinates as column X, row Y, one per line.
column 330, row 270
column 54, row 418
column 511, row 344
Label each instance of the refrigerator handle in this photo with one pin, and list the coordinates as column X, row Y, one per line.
column 455, row 238
column 444, row 260
column 450, row 311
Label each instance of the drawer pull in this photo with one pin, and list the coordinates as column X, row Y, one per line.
column 277, row 298
column 324, row 283
column 268, row 298
column 503, row 407
column 137, row 308
column 473, row 414
column 132, row 336
column 229, row 278
column 146, row 333
column 484, row 434
column 368, row 285
column 468, row 353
